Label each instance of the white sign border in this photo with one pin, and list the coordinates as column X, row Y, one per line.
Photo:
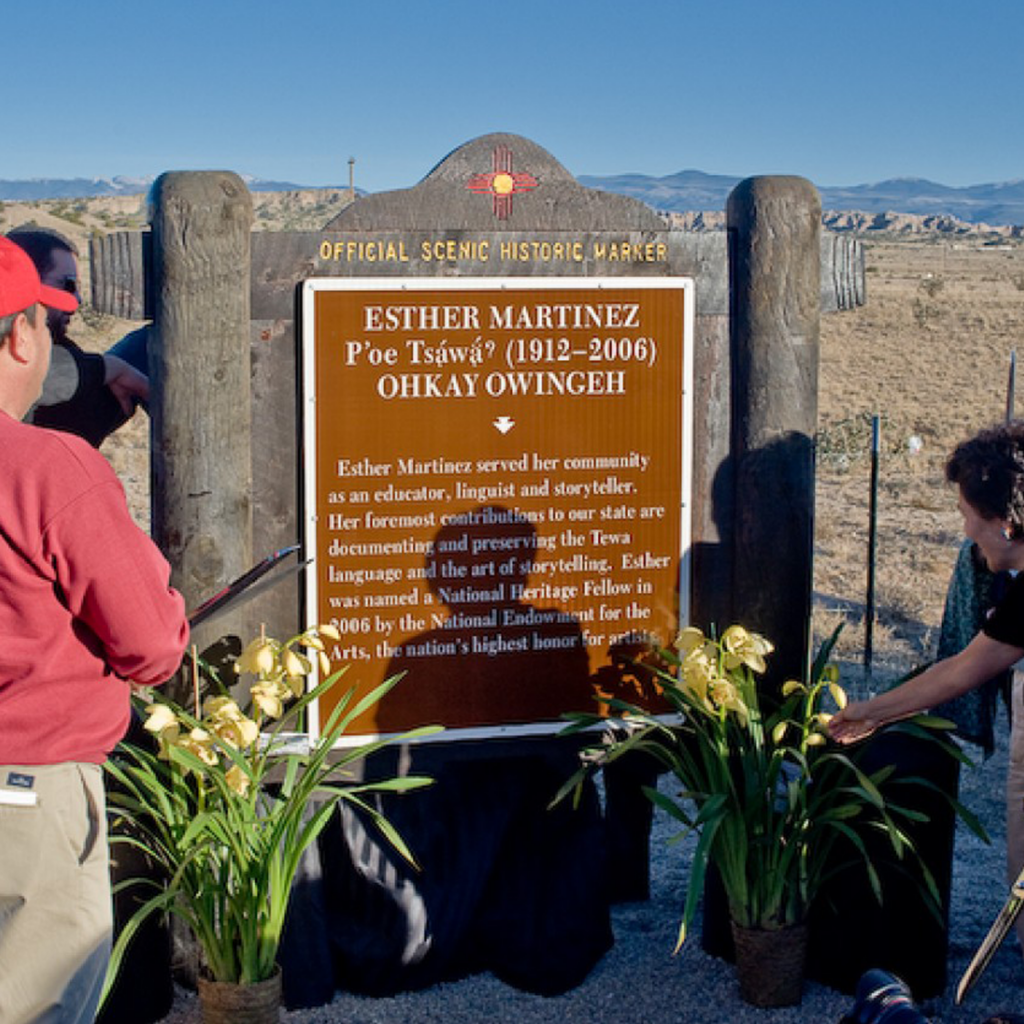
column 307, row 410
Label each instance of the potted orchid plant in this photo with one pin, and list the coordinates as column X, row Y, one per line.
column 231, row 798
column 768, row 795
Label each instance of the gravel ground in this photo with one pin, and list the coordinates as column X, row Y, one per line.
column 639, row 979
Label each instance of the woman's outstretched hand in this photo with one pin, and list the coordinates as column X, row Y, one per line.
column 855, row 722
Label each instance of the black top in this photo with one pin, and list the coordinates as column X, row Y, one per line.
column 1006, row 620
column 92, row 411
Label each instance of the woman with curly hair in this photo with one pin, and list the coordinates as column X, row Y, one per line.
column 988, row 471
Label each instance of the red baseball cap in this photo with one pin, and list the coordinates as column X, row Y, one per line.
column 20, row 286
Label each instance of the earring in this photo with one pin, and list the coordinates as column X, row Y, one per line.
column 1007, row 535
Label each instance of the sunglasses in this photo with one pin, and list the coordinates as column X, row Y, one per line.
column 69, row 284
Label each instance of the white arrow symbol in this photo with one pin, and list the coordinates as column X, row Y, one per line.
column 504, row 423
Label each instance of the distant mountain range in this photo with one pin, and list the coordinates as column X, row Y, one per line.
column 687, row 191
column 996, row 204
column 87, row 188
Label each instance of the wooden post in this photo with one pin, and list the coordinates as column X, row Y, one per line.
column 199, row 366
column 774, row 235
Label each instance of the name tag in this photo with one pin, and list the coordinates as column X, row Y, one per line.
column 18, row 797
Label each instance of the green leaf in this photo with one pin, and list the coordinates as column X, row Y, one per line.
column 128, row 931
column 670, row 806
column 824, row 655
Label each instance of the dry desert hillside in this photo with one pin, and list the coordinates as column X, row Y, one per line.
column 929, row 354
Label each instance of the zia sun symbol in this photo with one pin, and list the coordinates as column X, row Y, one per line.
column 502, row 183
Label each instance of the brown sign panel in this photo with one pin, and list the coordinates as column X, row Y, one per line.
column 496, row 488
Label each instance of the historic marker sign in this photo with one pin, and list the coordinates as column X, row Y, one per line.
column 496, row 487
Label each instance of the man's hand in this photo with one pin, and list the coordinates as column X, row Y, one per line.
column 127, row 384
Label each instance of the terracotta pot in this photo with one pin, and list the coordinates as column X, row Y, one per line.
column 770, row 964
column 227, row 1002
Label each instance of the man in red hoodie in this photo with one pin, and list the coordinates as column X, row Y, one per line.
column 86, row 610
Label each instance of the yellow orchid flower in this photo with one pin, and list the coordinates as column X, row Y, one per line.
column 269, row 696
column 688, row 639
column 259, row 657
column 240, row 733
column 294, row 664
column 225, row 718
column 237, row 780
column 312, row 641
column 725, row 694
column 697, row 688
column 698, row 675
column 742, row 647
column 199, row 742
column 216, row 706
column 162, row 721
column 838, row 695
column 701, row 657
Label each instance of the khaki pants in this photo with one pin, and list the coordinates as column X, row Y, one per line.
column 55, row 905
column 1015, row 793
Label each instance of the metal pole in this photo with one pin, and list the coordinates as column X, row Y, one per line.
column 869, row 603
column 1011, row 386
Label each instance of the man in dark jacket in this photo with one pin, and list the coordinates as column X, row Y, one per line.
column 85, row 393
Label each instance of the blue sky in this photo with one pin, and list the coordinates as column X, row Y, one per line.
column 839, row 92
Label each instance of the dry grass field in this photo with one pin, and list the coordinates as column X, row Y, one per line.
column 929, row 354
